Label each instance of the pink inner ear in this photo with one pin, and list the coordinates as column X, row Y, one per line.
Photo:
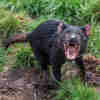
column 87, row 28
column 59, row 29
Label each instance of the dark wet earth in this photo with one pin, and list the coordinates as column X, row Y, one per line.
column 23, row 84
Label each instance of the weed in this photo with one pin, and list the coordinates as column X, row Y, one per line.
column 75, row 90
column 8, row 23
column 2, row 58
column 24, row 58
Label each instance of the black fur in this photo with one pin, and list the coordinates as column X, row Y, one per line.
column 47, row 43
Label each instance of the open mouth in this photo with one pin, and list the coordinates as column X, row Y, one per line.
column 71, row 51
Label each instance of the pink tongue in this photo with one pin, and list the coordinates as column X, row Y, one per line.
column 70, row 53
column 71, row 50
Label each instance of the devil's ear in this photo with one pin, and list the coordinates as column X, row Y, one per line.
column 60, row 27
column 86, row 29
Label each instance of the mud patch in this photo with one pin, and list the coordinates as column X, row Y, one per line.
column 22, row 84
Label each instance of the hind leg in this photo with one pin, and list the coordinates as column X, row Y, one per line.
column 57, row 72
column 44, row 69
column 56, row 68
column 43, row 60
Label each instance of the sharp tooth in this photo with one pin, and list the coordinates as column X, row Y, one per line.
column 64, row 44
column 65, row 47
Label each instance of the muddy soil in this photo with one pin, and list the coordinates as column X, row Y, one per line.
column 25, row 84
column 22, row 84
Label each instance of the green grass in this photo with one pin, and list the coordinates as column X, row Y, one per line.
column 94, row 40
column 9, row 24
column 24, row 58
column 75, row 12
column 2, row 58
column 75, row 90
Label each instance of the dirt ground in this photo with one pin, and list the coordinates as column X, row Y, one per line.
column 25, row 84
column 22, row 84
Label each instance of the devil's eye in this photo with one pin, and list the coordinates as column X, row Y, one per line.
column 73, row 36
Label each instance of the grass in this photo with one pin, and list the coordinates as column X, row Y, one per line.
column 75, row 90
column 24, row 58
column 9, row 24
column 75, row 12
column 2, row 58
column 94, row 41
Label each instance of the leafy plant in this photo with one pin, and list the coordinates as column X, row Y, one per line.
column 75, row 90
column 24, row 58
column 94, row 41
column 76, row 12
column 2, row 58
column 8, row 23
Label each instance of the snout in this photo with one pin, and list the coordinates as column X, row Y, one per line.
column 74, row 41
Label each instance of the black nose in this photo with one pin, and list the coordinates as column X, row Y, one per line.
column 73, row 41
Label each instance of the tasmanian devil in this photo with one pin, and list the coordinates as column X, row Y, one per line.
column 53, row 42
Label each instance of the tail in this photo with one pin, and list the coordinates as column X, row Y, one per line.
column 19, row 38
